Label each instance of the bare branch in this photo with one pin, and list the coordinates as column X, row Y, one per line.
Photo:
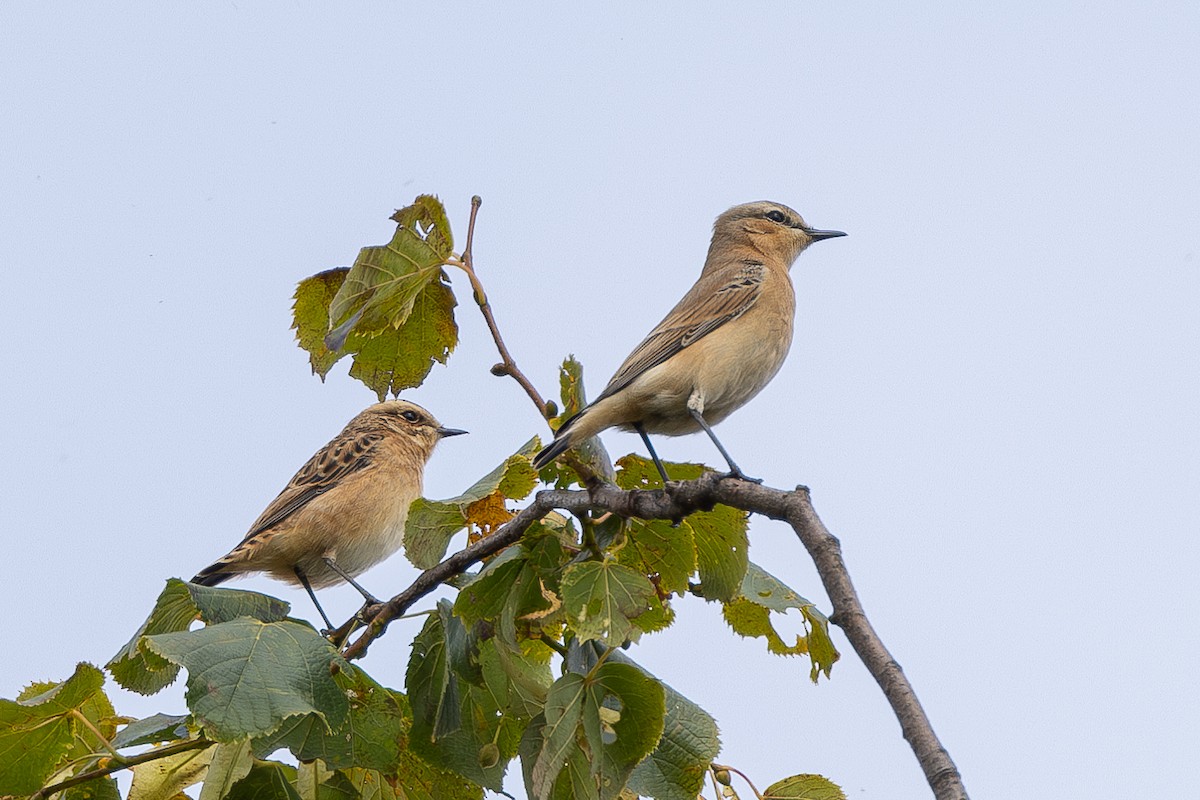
column 507, row 365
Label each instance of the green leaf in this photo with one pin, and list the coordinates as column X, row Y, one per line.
column 570, row 388
column 369, row 737
column 456, row 720
column 164, row 778
column 245, row 677
column 720, row 536
column 178, row 606
column 665, row 554
column 39, row 731
column 762, row 594
column 508, row 593
column 310, row 317
column 640, row 473
column 432, row 523
column 415, row 780
column 266, row 780
column 315, row 781
column 400, row 358
column 517, row 679
column 391, row 359
column 563, row 715
column 96, row 789
column 594, row 731
column 677, row 767
column 575, row 781
column 591, row 451
column 485, row 597
column 804, row 787
column 152, row 730
column 433, row 688
column 231, row 761
column 602, row 597
column 380, row 289
column 722, row 550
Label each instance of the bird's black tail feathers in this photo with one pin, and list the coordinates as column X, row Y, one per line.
column 561, row 444
column 213, row 575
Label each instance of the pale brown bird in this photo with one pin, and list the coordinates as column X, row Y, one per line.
column 345, row 510
column 719, row 346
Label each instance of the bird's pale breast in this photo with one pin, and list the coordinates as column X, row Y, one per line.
column 726, row 368
column 358, row 524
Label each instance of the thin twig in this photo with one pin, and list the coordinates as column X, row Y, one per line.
column 119, row 763
column 507, row 365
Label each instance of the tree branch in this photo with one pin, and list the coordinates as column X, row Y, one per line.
column 795, row 508
column 507, row 365
column 118, row 763
column 381, row 615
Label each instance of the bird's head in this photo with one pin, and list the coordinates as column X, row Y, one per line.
column 773, row 229
column 407, row 420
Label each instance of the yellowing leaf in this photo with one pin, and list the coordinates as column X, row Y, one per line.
column 488, row 513
column 40, row 730
column 310, row 317
column 762, row 594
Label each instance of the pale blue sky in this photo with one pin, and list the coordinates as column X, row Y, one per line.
column 993, row 389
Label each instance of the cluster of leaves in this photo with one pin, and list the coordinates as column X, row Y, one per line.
column 527, row 662
column 393, row 311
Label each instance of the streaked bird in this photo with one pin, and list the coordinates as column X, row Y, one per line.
column 345, row 510
column 719, row 346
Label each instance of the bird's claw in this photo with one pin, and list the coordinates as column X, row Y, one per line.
column 741, row 476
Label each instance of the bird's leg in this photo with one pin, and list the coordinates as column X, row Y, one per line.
column 637, row 426
column 308, row 588
column 734, row 470
column 370, row 598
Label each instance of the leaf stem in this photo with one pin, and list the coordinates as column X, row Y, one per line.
column 507, row 365
column 714, row 767
column 557, row 647
column 87, row 723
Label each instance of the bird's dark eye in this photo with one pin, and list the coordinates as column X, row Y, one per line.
column 410, row 415
column 776, row 216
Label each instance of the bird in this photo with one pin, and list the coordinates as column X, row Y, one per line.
column 344, row 511
column 717, row 348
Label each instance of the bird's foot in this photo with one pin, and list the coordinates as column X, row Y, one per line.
column 361, row 616
column 338, row 636
column 741, row 476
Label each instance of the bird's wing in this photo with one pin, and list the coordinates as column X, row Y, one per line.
column 325, row 470
column 702, row 310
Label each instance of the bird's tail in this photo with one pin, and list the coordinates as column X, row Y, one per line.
column 563, row 441
column 216, row 573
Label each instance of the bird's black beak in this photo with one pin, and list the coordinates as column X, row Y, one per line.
column 444, row 432
column 817, row 235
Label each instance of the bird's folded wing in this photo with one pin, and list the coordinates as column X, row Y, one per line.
column 702, row 310
column 326, row 469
